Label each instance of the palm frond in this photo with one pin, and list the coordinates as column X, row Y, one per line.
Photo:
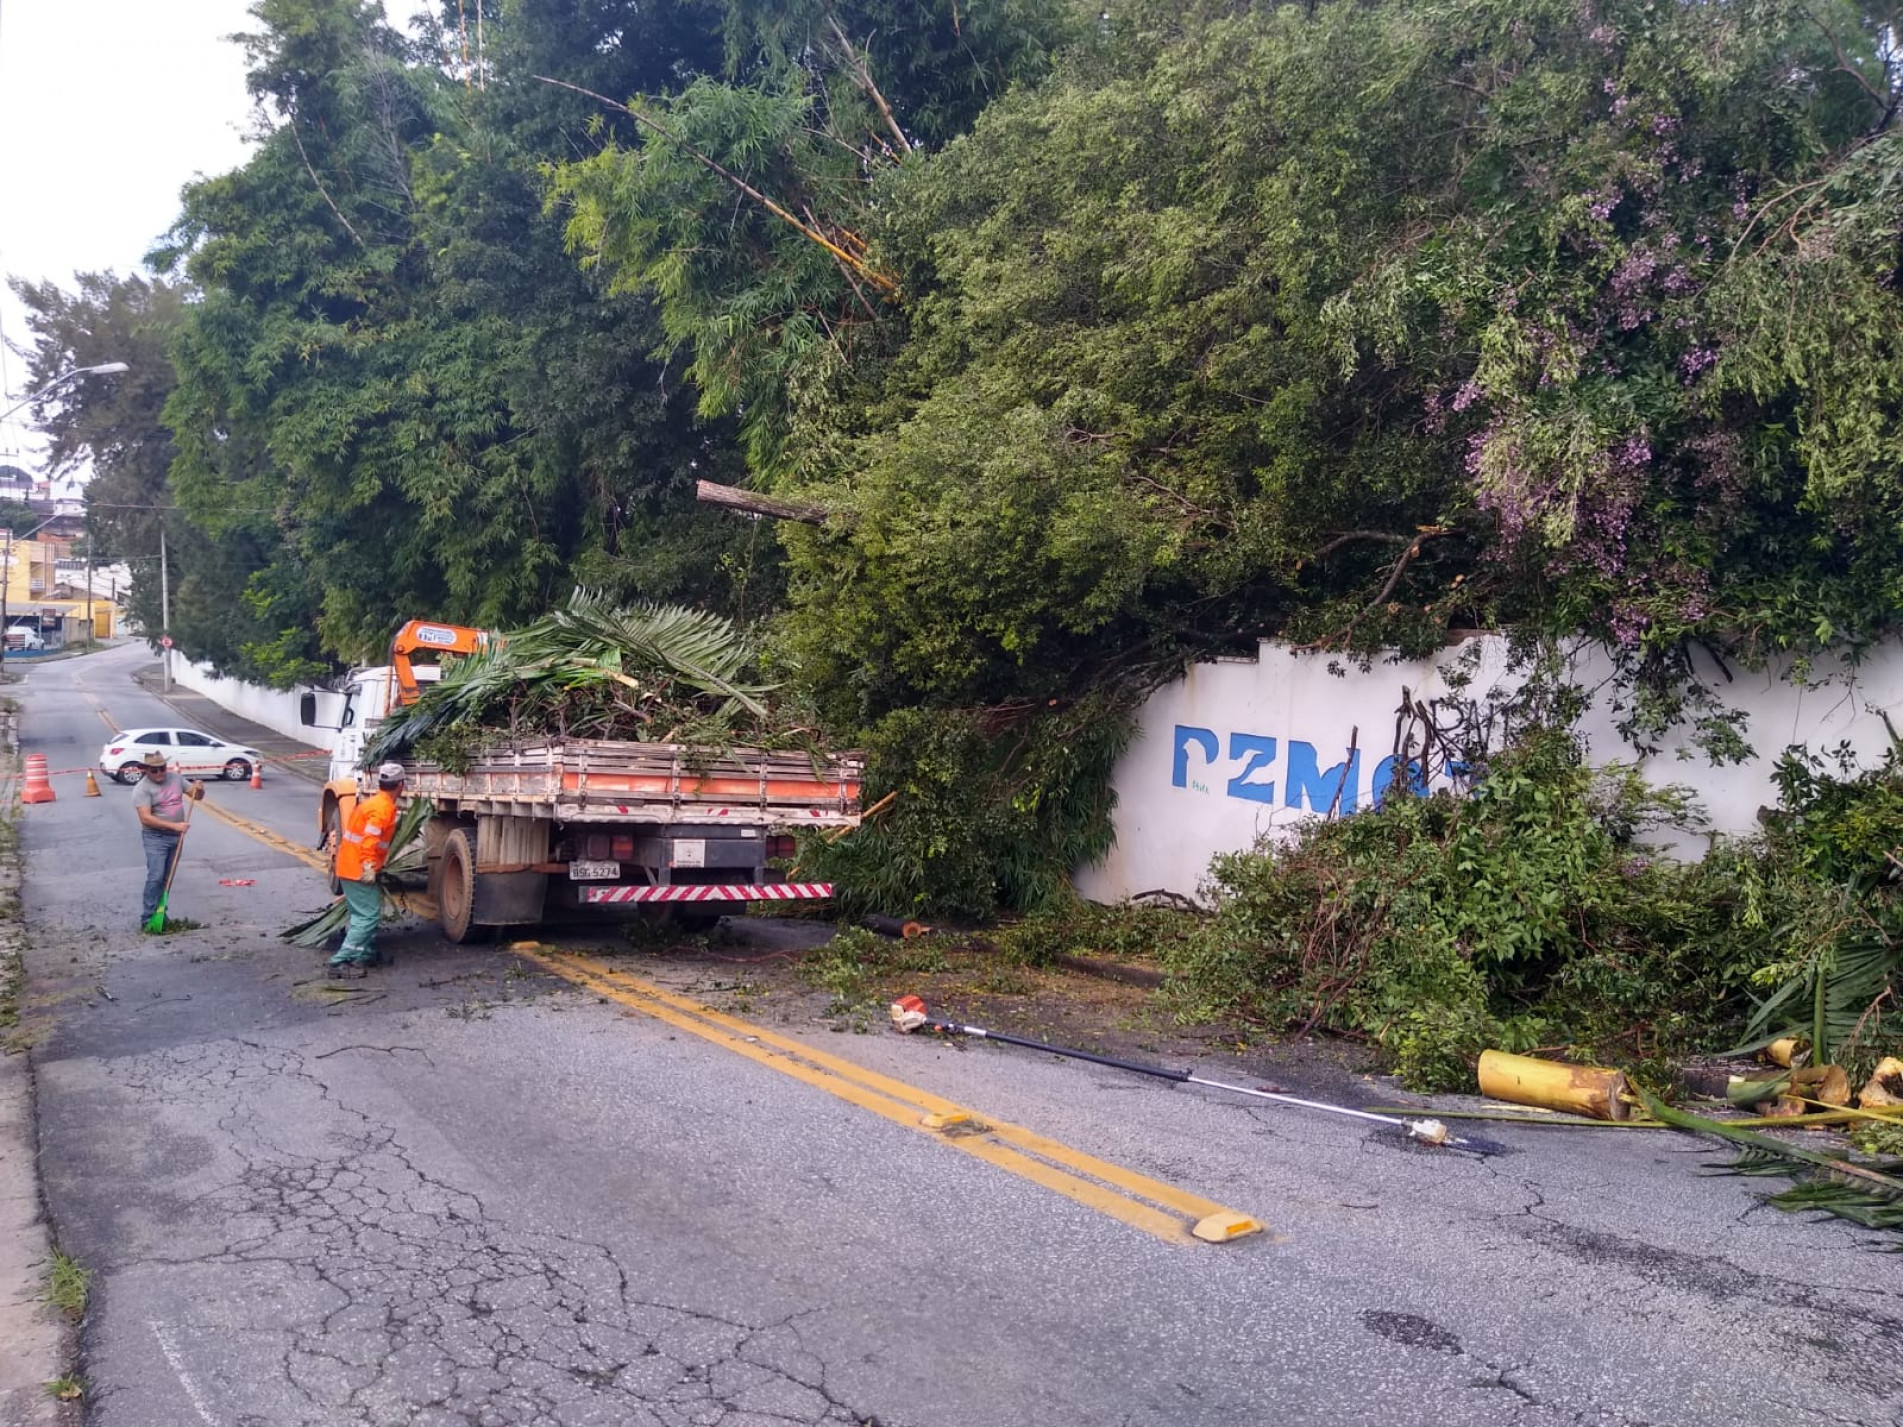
column 407, row 857
column 1852, row 962
column 1866, row 1194
column 659, row 673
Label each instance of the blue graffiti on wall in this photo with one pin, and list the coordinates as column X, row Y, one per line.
column 1304, row 782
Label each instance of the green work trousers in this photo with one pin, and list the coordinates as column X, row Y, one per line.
column 365, row 900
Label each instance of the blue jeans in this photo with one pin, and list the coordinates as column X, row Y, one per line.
column 365, row 900
column 161, row 851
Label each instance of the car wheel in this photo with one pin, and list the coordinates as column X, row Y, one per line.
column 130, row 772
column 237, row 770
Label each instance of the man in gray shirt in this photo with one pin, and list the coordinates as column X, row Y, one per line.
column 159, row 801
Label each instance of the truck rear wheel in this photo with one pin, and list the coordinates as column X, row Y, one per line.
column 456, row 891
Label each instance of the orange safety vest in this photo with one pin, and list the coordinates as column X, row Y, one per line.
column 366, row 841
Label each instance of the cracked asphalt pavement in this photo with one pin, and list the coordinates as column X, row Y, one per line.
column 462, row 1192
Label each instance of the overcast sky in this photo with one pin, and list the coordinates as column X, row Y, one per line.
column 107, row 108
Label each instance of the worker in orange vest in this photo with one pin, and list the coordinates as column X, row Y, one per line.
column 360, row 858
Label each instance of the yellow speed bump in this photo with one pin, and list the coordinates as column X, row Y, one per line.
column 1164, row 1210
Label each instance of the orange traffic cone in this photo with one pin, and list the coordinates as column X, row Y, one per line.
column 38, row 789
column 257, row 775
column 92, row 784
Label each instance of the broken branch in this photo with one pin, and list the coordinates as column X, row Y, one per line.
column 753, row 503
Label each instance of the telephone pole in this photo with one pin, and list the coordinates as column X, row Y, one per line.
column 165, row 609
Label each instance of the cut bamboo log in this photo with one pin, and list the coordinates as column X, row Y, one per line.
column 1827, row 1083
column 1786, row 1051
column 1553, row 1085
column 1886, row 1084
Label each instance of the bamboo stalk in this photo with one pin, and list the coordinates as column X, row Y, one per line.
column 878, row 279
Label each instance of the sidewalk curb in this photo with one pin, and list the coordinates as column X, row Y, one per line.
column 310, row 770
column 38, row 1343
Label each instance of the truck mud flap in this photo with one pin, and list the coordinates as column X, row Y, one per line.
column 507, row 899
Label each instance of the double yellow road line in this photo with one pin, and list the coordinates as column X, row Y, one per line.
column 1144, row 1203
column 277, row 842
column 1135, row 1199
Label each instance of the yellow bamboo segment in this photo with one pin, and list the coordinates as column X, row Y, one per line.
column 1553, row 1085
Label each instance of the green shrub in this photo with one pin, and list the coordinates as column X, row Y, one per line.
column 1071, row 926
column 1443, row 924
column 990, row 810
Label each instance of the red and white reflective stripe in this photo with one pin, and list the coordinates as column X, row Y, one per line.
column 752, row 892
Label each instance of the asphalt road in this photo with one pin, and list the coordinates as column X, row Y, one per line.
column 471, row 1193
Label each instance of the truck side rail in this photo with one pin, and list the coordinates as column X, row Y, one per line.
column 589, row 779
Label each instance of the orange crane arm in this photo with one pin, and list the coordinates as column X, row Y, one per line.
column 421, row 634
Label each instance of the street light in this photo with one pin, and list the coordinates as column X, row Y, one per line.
column 103, row 369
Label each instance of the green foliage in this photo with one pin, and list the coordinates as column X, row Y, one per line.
column 1356, row 323
column 1842, row 826
column 67, row 1284
column 1531, row 912
column 990, row 809
column 393, row 361
column 1527, row 911
column 240, row 601
column 1073, row 927
column 1875, row 1138
column 854, row 965
column 1826, row 896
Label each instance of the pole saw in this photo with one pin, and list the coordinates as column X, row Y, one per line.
column 909, row 1016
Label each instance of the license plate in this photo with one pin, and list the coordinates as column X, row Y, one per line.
column 594, row 871
column 689, row 852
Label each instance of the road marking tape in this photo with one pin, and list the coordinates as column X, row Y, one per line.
column 1161, row 1209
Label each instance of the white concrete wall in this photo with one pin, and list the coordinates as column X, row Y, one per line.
column 1243, row 748
column 276, row 709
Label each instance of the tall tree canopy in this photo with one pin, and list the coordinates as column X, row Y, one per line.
column 1356, row 321
column 1105, row 334
column 394, row 356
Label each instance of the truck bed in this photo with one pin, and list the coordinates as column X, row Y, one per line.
column 612, row 781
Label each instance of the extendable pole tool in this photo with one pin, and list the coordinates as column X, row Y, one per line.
column 909, row 1015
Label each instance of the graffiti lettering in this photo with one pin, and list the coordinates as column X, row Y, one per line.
column 1305, row 785
column 1261, row 753
column 1179, row 761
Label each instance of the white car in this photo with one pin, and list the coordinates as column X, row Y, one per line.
column 186, row 749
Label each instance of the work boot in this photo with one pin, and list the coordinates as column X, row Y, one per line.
column 346, row 971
